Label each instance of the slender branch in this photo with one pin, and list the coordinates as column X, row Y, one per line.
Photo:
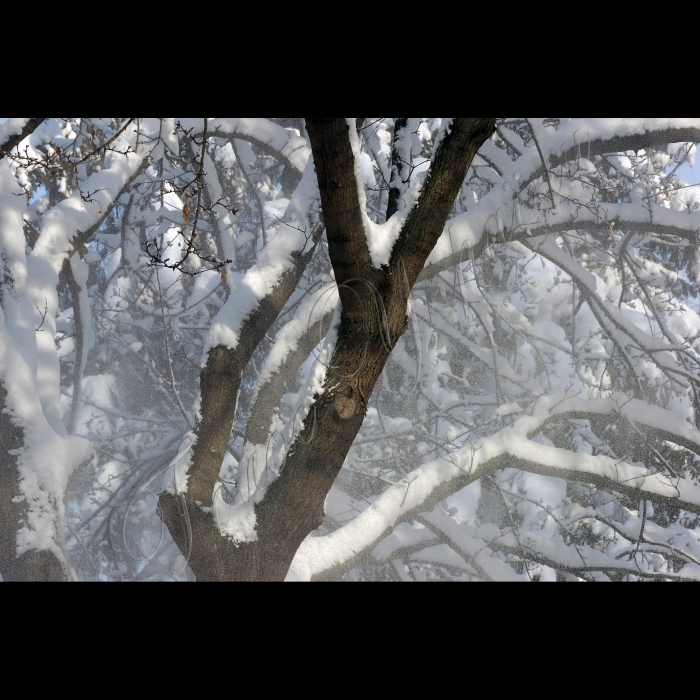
column 169, row 355
column 544, row 164
column 80, row 330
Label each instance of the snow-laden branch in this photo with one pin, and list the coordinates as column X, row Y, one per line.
column 571, row 137
column 467, row 234
column 14, row 130
column 261, row 464
column 257, row 297
column 657, row 349
column 474, row 549
column 48, row 455
column 292, row 345
column 510, row 447
column 666, row 424
column 62, row 226
column 583, row 560
column 264, row 133
column 295, row 237
column 31, row 373
column 77, row 275
column 501, row 216
column 504, row 368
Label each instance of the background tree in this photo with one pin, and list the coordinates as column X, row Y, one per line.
column 165, row 280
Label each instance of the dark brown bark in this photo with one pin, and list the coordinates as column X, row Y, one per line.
column 12, row 141
column 426, row 220
column 398, row 170
column 193, row 530
column 220, row 383
column 347, row 245
column 373, row 318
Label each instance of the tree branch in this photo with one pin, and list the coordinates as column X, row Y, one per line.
column 14, row 139
column 425, row 222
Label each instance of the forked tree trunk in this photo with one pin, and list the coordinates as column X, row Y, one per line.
column 374, row 304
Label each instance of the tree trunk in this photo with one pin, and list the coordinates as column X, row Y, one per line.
column 35, row 565
column 374, row 304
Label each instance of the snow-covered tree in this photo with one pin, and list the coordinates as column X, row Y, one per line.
column 377, row 348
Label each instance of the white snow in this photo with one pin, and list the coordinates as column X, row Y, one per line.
column 319, row 554
column 249, row 288
column 288, row 143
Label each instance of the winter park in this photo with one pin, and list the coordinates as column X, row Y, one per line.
column 365, row 349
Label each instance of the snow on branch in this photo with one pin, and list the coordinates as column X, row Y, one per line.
column 510, row 447
column 14, row 130
column 294, row 148
column 297, row 236
column 656, row 349
column 503, row 215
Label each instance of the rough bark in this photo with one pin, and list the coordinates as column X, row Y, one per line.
column 398, row 168
column 270, row 393
column 197, row 537
column 374, row 304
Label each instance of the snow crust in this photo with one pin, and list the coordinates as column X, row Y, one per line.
column 176, row 476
